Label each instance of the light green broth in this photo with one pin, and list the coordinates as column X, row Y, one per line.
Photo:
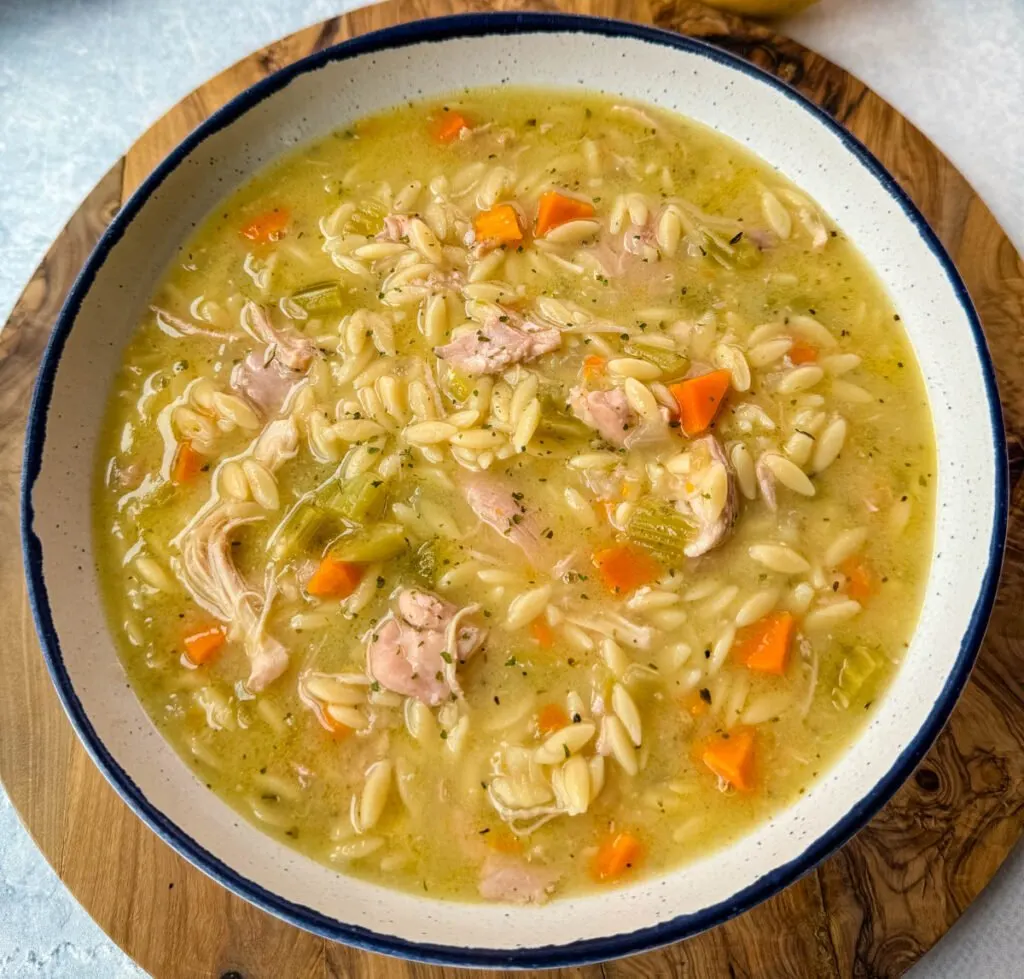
column 290, row 424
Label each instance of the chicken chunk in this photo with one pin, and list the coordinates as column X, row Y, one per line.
column 266, row 385
column 292, row 350
column 607, row 412
column 207, row 569
column 396, row 228
column 494, row 501
column 513, row 880
column 766, row 483
column 498, row 344
column 414, row 652
column 268, row 375
column 712, row 533
column 423, row 610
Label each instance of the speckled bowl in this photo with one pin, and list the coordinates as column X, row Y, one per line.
column 322, row 93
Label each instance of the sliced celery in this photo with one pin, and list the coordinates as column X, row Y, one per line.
column 556, row 421
column 377, row 543
column 564, row 427
column 325, row 297
column 296, row 530
column 856, row 670
column 668, row 360
column 358, row 499
column 661, row 528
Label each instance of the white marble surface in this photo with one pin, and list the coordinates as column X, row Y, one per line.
column 80, row 79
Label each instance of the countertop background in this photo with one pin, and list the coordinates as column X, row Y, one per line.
column 81, row 79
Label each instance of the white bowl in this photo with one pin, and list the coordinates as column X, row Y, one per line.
column 320, row 94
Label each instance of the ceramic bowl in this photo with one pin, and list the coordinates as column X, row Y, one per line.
column 322, row 93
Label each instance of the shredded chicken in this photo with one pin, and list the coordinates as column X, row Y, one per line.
column 207, row 570
column 607, row 412
column 508, row 878
column 505, row 339
column 640, row 240
column 415, row 650
column 396, row 228
column 175, row 326
column 268, row 375
column 766, row 483
column 496, row 504
column 441, row 280
column 266, row 385
column 714, row 532
column 292, row 350
column 277, row 443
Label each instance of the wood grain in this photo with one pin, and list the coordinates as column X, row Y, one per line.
column 871, row 910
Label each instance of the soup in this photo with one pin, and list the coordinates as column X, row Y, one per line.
column 514, row 496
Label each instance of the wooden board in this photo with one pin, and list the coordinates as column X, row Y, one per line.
column 872, row 909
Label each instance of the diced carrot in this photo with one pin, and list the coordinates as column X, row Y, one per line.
column 201, row 646
column 593, row 367
column 552, row 718
column 802, row 353
column 624, row 568
column 860, row 582
column 731, row 757
column 448, row 126
column 187, row 464
column 555, row 209
column 500, row 224
column 616, row 855
column 699, row 399
column 764, row 645
column 542, row 632
column 334, row 579
column 267, row 227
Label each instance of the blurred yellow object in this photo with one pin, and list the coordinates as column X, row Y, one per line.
column 762, row 8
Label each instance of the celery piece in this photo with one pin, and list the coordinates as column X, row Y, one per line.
column 324, row 297
column 557, row 422
column 296, row 530
column 358, row 499
column 856, row 670
column 376, row 543
column 668, row 360
column 329, row 496
column 661, row 528
column 564, row 427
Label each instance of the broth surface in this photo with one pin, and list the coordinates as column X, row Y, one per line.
column 515, row 495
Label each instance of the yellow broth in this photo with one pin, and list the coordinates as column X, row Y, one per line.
column 698, row 258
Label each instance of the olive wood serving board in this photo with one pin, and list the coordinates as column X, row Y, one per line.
column 872, row 909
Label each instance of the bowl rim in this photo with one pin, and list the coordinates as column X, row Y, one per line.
column 582, row 951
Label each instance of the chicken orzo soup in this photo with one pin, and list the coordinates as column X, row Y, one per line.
column 513, row 496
